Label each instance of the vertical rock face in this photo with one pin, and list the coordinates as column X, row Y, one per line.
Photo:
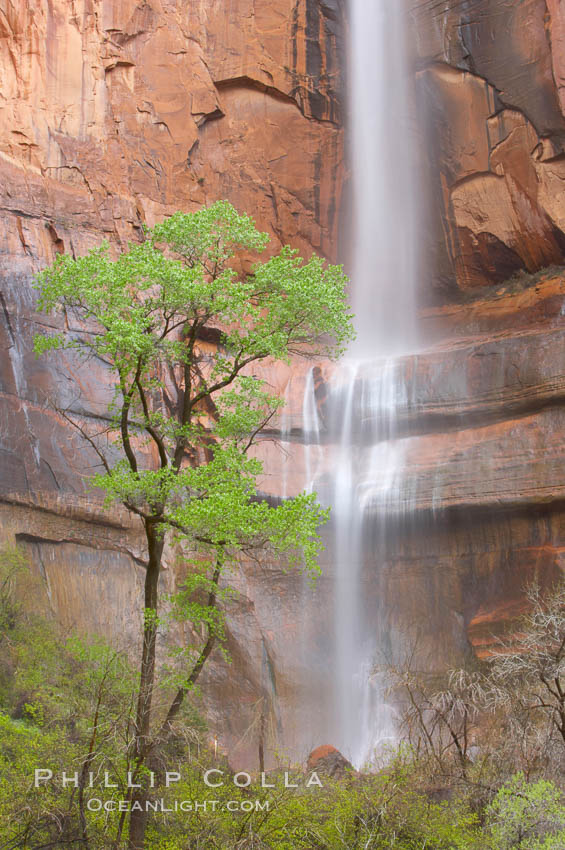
column 114, row 114
column 134, row 109
column 489, row 80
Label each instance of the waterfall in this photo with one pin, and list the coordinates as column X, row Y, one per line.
column 347, row 551
column 367, row 490
column 311, row 432
column 385, row 254
column 368, row 394
column 354, row 451
column 285, row 439
column 16, row 354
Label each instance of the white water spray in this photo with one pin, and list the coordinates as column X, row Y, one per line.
column 285, row 440
column 385, row 255
column 313, row 452
column 367, row 481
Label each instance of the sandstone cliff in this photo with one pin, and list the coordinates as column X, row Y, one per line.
column 490, row 84
column 113, row 115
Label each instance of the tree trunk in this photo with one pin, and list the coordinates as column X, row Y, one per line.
column 155, row 544
column 262, row 734
column 204, row 654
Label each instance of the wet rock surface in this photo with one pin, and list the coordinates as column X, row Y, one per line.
column 114, row 115
column 490, row 85
column 117, row 114
column 327, row 761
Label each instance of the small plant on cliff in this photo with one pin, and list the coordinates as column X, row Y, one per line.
column 179, row 329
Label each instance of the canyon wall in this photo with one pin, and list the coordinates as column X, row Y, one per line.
column 490, row 84
column 112, row 116
column 487, row 460
column 115, row 114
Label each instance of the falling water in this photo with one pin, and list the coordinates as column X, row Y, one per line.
column 16, row 355
column 385, row 194
column 285, row 440
column 369, row 394
column 311, row 432
column 367, row 489
column 347, row 551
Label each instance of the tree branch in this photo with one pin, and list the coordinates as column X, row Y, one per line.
column 204, row 653
column 157, row 438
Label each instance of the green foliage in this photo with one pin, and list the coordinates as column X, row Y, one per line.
column 12, row 563
column 179, row 329
column 61, row 698
column 138, row 300
column 26, row 816
column 379, row 812
column 198, row 409
column 76, row 686
column 209, row 237
column 527, row 816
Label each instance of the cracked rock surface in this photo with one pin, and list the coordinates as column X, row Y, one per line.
column 114, row 114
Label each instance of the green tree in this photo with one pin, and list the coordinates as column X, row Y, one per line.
column 65, row 705
column 12, row 563
column 527, row 815
column 180, row 328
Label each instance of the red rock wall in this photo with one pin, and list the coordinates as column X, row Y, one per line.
column 114, row 114
column 490, row 85
column 120, row 112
